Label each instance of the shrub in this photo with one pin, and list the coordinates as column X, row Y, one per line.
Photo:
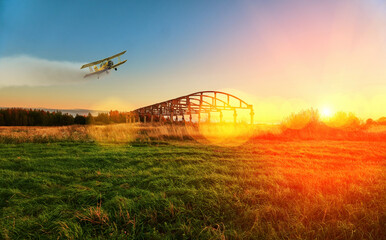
column 302, row 119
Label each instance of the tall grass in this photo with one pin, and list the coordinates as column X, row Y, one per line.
column 43, row 134
column 217, row 134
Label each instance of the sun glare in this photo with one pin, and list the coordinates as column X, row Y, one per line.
column 326, row 112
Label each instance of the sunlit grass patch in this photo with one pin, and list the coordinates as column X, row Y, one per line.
column 117, row 133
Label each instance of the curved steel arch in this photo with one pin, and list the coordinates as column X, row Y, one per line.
column 195, row 103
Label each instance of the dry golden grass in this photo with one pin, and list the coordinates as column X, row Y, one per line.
column 118, row 133
column 32, row 134
column 215, row 134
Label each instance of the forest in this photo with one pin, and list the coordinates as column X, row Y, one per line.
column 38, row 117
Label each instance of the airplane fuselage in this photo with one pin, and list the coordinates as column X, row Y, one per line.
column 104, row 66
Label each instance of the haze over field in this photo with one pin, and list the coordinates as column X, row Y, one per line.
column 280, row 56
column 34, row 72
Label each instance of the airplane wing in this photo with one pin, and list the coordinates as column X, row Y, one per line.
column 116, row 65
column 92, row 64
column 91, row 74
column 114, row 56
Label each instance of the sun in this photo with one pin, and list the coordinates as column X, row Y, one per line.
column 325, row 112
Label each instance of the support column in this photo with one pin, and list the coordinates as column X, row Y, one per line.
column 199, row 109
column 235, row 116
column 252, row 114
column 190, row 117
column 151, row 118
column 208, row 117
column 144, row 118
column 221, row 116
column 171, row 112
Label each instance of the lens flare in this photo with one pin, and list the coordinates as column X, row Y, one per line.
column 222, row 134
column 326, row 112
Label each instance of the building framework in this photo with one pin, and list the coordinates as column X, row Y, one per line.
column 205, row 102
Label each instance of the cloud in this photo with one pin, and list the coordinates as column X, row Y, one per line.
column 31, row 71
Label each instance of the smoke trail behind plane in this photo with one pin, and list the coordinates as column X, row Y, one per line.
column 32, row 71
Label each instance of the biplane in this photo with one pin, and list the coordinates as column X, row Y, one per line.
column 105, row 65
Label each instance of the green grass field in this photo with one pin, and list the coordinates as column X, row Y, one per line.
column 186, row 190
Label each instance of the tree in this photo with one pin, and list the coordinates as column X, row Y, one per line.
column 79, row 120
column 90, row 119
column 102, row 118
column 302, row 119
column 2, row 121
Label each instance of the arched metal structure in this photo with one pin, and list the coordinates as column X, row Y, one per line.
column 195, row 103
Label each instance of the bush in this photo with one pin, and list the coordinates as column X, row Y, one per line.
column 344, row 120
column 302, row 119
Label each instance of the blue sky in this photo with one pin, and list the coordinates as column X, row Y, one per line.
column 273, row 52
column 80, row 30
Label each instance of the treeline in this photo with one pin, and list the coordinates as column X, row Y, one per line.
column 37, row 117
column 341, row 120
